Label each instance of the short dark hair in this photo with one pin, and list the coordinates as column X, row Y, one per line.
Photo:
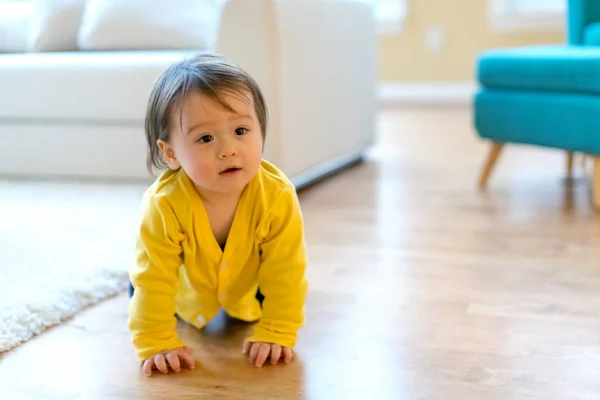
column 208, row 74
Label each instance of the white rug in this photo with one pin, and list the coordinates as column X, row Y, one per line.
column 62, row 248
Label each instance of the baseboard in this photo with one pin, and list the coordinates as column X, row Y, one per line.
column 426, row 93
column 328, row 168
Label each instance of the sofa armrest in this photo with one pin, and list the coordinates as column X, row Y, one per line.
column 316, row 61
column 580, row 13
column 247, row 35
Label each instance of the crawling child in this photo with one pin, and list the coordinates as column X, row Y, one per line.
column 221, row 227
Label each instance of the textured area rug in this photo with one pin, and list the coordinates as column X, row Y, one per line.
column 63, row 247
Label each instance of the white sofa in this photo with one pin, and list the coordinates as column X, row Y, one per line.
column 79, row 113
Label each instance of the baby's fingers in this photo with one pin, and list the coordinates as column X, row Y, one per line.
column 148, row 365
column 161, row 363
column 288, row 355
column 275, row 354
column 173, row 360
column 263, row 354
column 188, row 358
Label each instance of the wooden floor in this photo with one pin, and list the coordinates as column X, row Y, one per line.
column 422, row 287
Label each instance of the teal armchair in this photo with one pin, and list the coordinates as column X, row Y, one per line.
column 583, row 22
column 544, row 95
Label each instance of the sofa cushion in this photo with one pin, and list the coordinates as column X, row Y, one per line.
column 544, row 68
column 149, row 24
column 14, row 19
column 591, row 35
column 54, row 25
column 79, row 86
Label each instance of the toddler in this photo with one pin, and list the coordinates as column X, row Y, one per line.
column 220, row 227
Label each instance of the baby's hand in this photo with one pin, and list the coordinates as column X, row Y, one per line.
column 173, row 357
column 259, row 353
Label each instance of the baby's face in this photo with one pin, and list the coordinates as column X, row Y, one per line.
column 220, row 150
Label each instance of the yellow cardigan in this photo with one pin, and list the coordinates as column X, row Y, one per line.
column 181, row 268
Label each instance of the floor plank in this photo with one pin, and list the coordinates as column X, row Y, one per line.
column 421, row 287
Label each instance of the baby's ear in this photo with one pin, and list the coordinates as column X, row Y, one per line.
column 168, row 154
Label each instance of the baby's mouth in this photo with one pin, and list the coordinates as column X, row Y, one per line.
column 230, row 170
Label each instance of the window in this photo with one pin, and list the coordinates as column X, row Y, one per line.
column 390, row 15
column 527, row 14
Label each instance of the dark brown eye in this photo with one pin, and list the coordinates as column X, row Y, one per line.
column 206, row 139
column 240, row 131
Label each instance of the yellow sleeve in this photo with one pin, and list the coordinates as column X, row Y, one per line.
column 154, row 278
column 282, row 277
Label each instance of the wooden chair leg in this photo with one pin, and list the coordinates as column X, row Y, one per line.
column 570, row 161
column 596, row 183
column 493, row 155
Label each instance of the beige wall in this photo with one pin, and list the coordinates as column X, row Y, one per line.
column 404, row 57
